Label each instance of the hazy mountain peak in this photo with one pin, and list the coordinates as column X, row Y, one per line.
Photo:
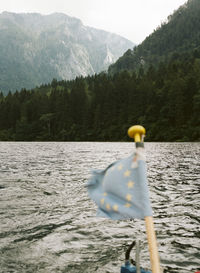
column 36, row 48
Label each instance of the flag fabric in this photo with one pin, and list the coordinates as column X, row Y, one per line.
column 121, row 191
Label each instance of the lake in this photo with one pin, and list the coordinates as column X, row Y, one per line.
column 48, row 223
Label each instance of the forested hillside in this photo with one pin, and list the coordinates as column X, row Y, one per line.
column 166, row 100
column 178, row 35
column 156, row 85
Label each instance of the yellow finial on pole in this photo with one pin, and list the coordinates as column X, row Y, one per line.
column 136, row 132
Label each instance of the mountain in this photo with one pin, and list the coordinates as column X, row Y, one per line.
column 162, row 92
column 179, row 35
column 35, row 48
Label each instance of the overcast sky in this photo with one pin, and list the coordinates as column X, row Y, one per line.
column 132, row 19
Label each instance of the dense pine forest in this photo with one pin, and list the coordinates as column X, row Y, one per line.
column 165, row 100
column 157, row 85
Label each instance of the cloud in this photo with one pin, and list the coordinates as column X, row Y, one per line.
column 133, row 19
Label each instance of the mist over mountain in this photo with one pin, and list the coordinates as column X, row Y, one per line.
column 157, row 84
column 36, row 48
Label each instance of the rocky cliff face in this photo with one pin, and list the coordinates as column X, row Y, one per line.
column 34, row 49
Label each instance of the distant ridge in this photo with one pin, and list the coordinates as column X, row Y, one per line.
column 36, row 48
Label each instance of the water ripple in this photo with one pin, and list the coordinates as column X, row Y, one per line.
column 48, row 223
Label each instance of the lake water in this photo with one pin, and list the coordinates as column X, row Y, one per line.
column 48, row 223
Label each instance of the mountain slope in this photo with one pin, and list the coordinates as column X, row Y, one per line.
column 180, row 34
column 34, row 49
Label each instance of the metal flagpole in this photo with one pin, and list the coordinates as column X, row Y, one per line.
column 137, row 132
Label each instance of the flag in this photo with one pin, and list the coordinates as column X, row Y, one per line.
column 121, row 191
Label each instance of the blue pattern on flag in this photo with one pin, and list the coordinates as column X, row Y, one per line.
column 121, row 191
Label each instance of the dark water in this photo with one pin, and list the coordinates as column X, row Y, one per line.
column 48, row 224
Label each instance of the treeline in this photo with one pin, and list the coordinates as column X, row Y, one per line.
column 165, row 100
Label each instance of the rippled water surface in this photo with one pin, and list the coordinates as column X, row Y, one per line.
column 48, row 223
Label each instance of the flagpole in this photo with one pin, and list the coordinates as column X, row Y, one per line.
column 137, row 132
